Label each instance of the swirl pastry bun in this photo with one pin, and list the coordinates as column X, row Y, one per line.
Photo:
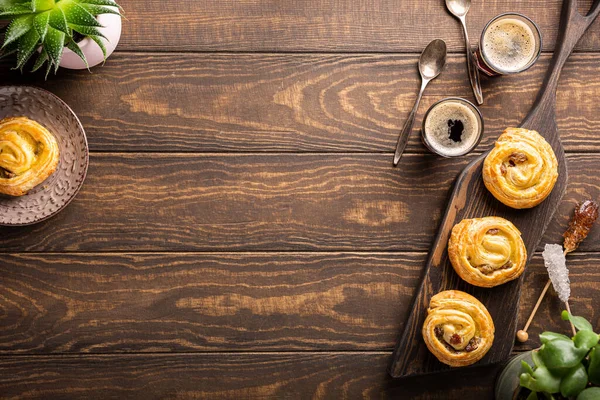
column 28, row 155
column 521, row 170
column 487, row 251
column 458, row 329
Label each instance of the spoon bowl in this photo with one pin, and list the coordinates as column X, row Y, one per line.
column 458, row 8
column 433, row 59
column 431, row 64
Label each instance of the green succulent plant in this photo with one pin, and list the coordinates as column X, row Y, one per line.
column 565, row 367
column 49, row 26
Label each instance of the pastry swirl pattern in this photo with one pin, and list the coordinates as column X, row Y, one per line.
column 487, row 252
column 521, row 170
column 458, row 329
column 28, row 155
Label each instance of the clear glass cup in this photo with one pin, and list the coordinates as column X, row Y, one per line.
column 486, row 57
column 447, row 110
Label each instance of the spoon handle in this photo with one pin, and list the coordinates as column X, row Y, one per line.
column 472, row 66
column 408, row 125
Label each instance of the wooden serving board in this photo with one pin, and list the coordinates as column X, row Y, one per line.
column 471, row 199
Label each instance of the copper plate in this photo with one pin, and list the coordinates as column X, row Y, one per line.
column 56, row 192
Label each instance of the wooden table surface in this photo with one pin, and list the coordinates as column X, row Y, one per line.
column 241, row 232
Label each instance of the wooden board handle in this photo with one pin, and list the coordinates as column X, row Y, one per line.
column 572, row 27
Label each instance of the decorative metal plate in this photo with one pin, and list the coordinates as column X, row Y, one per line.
column 56, row 192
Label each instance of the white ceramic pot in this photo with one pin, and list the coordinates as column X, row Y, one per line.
column 93, row 53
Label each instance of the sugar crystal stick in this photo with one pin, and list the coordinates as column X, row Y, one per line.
column 580, row 225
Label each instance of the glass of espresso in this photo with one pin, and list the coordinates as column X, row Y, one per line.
column 510, row 43
column 452, row 127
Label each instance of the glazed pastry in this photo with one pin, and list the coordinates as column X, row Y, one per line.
column 458, row 329
column 28, row 155
column 487, row 252
column 521, row 170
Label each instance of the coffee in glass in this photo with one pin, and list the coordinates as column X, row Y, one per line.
column 452, row 127
column 510, row 43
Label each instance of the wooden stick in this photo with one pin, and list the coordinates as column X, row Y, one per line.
column 522, row 335
column 567, row 303
column 572, row 326
column 537, row 305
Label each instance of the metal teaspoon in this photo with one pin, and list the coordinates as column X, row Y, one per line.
column 431, row 63
column 460, row 8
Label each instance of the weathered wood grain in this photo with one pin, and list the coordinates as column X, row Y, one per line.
column 183, row 102
column 229, row 376
column 296, row 102
column 320, row 25
column 170, row 302
column 182, row 302
column 248, row 202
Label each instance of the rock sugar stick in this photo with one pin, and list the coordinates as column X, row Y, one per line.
column 580, row 225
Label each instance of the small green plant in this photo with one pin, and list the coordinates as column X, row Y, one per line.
column 565, row 367
column 48, row 26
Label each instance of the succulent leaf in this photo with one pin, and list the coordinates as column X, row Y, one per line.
column 100, row 3
column 585, row 340
column 542, row 380
column 526, row 368
column 43, row 5
column 54, row 44
column 545, row 337
column 40, row 23
column 78, row 15
column 48, row 68
column 41, row 59
column 97, row 10
column 58, row 20
column 14, row 11
column 27, row 45
column 591, row 393
column 100, row 44
column 7, row 4
column 86, row 30
column 561, row 355
column 75, row 49
column 580, row 323
column 574, row 381
column 537, row 359
column 17, row 28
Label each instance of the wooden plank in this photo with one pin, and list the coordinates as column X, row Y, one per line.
column 253, row 202
column 229, row 376
column 320, row 25
column 297, row 103
column 198, row 302
column 169, row 302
